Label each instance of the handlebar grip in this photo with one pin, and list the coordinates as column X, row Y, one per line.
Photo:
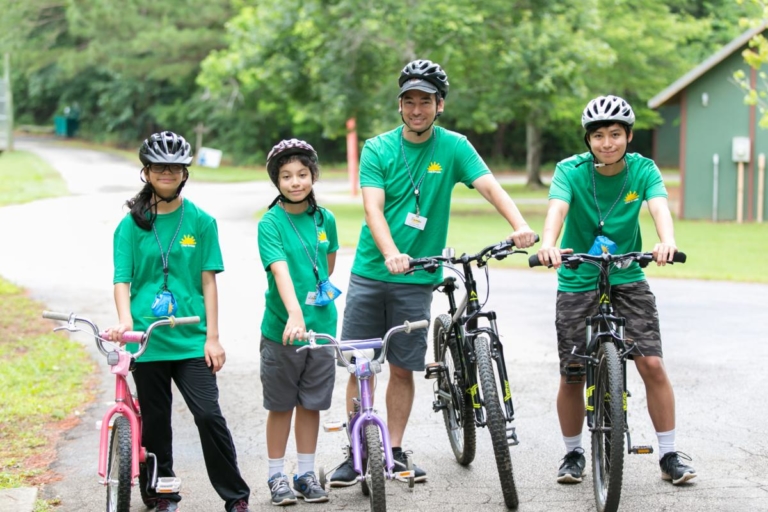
column 420, row 324
column 186, row 320
column 679, row 257
column 56, row 316
column 133, row 336
column 411, row 263
column 533, row 261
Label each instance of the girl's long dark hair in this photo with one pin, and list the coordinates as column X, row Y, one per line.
column 143, row 210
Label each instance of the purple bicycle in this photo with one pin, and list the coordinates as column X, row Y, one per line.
column 368, row 433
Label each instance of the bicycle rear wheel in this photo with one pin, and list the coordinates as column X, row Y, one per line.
column 496, row 421
column 458, row 415
column 608, row 431
column 374, row 469
column 119, row 467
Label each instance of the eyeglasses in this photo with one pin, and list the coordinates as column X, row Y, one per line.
column 161, row 168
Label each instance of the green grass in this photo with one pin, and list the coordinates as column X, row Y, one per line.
column 24, row 177
column 723, row 251
column 44, row 379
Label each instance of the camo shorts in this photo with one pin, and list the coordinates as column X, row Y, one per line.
column 633, row 301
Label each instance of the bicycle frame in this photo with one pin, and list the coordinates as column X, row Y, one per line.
column 121, row 364
column 365, row 369
column 465, row 327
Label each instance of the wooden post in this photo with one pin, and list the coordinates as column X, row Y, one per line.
column 352, row 154
column 760, row 186
column 740, row 194
column 9, row 100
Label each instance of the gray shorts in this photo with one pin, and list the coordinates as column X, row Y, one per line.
column 633, row 301
column 290, row 378
column 373, row 307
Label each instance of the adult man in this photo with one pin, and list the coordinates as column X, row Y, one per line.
column 407, row 176
column 601, row 194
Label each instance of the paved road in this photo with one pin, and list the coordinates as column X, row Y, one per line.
column 60, row 249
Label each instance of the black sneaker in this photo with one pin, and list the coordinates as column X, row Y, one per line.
column 674, row 470
column 572, row 468
column 401, row 465
column 345, row 475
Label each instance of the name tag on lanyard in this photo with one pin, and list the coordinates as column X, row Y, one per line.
column 416, row 221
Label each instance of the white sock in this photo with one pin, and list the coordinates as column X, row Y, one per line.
column 571, row 443
column 306, row 462
column 276, row 466
column 666, row 442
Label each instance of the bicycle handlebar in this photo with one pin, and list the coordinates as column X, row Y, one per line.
column 573, row 261
column 498, row 251
column 140, row 337
column 374, row 343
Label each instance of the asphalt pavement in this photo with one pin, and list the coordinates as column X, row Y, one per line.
column 714, row 341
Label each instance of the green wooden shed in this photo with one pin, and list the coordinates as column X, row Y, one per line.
column 707, row 131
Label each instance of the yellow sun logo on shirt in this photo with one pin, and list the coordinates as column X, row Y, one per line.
column 631, row 197
column 322, row 237
column 434, row 167
column 188, row 241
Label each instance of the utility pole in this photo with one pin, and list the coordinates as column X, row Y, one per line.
column 6, row 105
column 199, row 130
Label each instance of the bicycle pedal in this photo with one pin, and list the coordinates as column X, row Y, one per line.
column 168, row 484
column 512, row 439
column 641, row 449
column 404, row 475
column 433, row 370
column 333, row 426
column 439, row 405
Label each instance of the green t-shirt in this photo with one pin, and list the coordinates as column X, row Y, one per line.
column 452, row 160
column 138, row 261
column 573, row 184
column 279, row 241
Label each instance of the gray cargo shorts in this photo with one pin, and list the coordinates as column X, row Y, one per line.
column 633, row 301
column 290, row 378
column 373, row 307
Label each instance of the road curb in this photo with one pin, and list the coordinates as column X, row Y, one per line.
column 20, row 499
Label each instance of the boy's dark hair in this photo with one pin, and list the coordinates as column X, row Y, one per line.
column 593, row 127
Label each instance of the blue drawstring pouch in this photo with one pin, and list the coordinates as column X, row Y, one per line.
column 164, row 304
column 602, row 245
column 326, row 293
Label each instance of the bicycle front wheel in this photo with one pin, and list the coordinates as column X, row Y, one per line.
column 374, row 469
column 119, row 467
column 495, row 420
column 458, row 415
column 608, row 430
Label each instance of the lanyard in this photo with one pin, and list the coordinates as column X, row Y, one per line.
column 600, row 217
column 164, row 256
column 317, row 243
column 408, row 167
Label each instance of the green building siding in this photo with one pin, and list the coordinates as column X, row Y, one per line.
column 667, row 143
column 710, row 130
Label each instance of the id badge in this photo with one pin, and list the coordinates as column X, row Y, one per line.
column 416, row 221
column 311, row 298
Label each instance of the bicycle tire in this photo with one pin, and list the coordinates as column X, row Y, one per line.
column 374, row 471
column 119, row 467
column 608, row 432
column 495, row 421
column 458, row 415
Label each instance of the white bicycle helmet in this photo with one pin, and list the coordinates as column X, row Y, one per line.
column 607, row 108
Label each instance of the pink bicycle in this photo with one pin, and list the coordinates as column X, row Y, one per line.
column 122, row 459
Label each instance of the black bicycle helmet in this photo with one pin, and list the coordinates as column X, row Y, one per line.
column 165, row 148
column 286, row 148
column 416, row 72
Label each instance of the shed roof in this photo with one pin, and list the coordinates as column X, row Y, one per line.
column 716, row 58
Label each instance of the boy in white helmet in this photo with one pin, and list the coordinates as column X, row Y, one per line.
column 601, row 193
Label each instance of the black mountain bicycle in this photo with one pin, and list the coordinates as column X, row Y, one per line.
column 464, row 356
column 606, row 372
